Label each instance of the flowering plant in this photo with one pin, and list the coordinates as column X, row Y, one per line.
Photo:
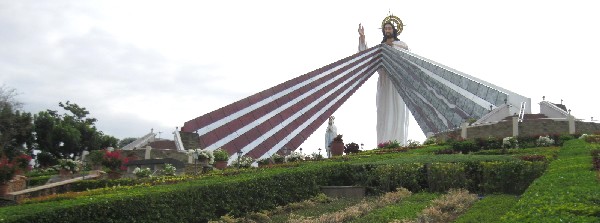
column 22, row 162
column 220, row 155
column 7, row 170
column 169, row 170
column 545, row 141
column 113, row 161
column 69, row 165
column 510, row 142
column 202, row 154
column 294, row 156
column 142, row 172
column 388, row 145
column 278, row 158
column 244, row 162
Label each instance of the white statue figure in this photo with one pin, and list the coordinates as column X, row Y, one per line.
column 392, row 113
column 330, row 133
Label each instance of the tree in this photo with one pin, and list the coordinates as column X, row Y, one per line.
column 69, row 134
column 15, row 126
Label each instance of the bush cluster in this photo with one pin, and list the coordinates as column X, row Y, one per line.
column 567, row 192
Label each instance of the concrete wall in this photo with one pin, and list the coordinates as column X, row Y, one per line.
column 527, row 127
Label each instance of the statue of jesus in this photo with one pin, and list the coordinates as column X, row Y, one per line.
column 392, row 113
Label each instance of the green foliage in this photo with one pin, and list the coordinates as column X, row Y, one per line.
column 37, row 181
column 239, row 192
column 510, row 177
column 220, row 155
column 444, row 176
column 351, row 148
column 489, row 209
column 407, row 209
column 567, row 192
column 70, row 133
column 407, row 175
column 464, row 146
column 46, row 159
column 95, row 157
column 15, row 126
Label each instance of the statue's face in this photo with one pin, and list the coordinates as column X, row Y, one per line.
column 388, row 30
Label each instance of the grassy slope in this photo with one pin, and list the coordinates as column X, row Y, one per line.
column 489, row 209
column 567, row 192
column 406, row 209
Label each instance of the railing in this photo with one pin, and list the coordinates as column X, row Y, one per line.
column 178, row 141
column 139, row 142
column 489, row 114
column 555, row 108
column 522, row 112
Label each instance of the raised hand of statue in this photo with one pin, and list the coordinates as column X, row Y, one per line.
column 361, row 34
column 361, row 30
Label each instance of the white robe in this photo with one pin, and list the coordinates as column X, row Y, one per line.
column 392, row 113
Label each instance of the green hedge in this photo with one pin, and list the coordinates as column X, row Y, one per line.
column 568, row 192
column 193, row 201
column 509, row 177
column 262, row 189
column 443, row 176
column 37, row 181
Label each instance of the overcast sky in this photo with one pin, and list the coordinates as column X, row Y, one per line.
column 137, row 65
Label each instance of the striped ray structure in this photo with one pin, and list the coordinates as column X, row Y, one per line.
column 284, row 116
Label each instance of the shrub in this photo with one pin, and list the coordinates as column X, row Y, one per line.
column 142, row 172
column 95, row 157
column 37, row 181
column 278, row 158
column 510, row 143
column 202, row 154
column 545, row 141
column 22, row 162
column 7, row 170
column 392, row 144
column 169, row 170
column 294, row 157
column 351, row 148
column 113, row 161
column 444, row 176
column 430, row 141
column 243, row 162
column 509, row 177
column 72, row 166
column 408, row 175
column 46, row 159
column 412, row 144
column 220, row 155
column 464, row 146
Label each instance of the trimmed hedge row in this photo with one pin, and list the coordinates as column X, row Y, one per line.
column 193, row 201
column 567, row 192
column 37, row 181
column 510, row 177
column 211, row 197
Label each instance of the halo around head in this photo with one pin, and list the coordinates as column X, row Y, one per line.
column 395, row 21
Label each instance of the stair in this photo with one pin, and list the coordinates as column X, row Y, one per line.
column 190, row 140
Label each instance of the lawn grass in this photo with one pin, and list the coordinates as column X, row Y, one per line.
column 489, row 209
column 568, row 192
column 319, row 209
column 406, row 209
